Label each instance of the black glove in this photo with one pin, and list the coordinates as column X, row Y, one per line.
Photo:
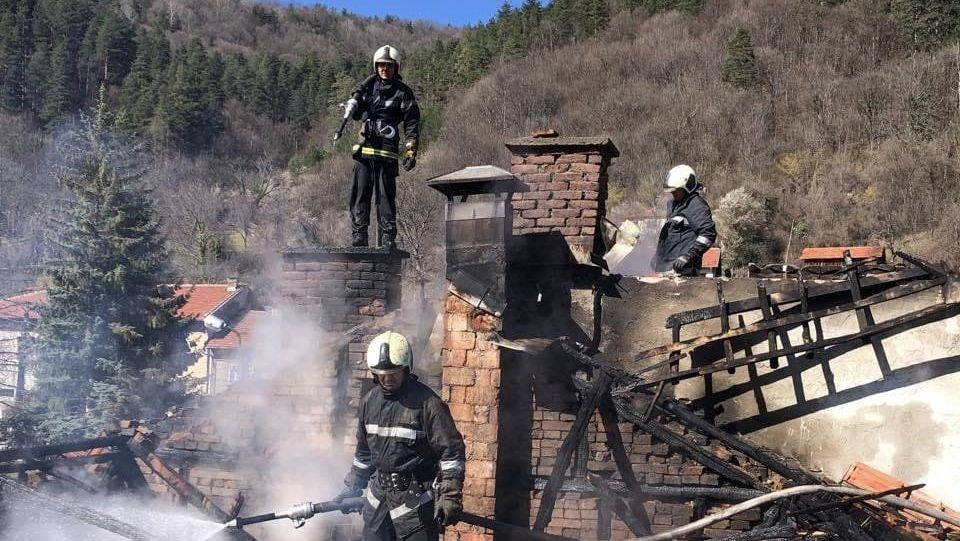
column 449, row 502
column 680, row 264
column 410, row 155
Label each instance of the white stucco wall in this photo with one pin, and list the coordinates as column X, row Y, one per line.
column 907, row 425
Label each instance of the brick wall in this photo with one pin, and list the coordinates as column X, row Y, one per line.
column 471, row 387
column 568, row 189
column 654, row 463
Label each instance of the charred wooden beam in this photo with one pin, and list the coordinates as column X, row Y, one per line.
column 930, row 268
column 889, row 327
column 896, row 292
column 588, row 404
column 637, row 526
column 785, row 297
column 142, row 444
column 865, row 320
column 776, row 533
column 49, row 465
column 61, row 448
column 846, row 502
column 690, row 449
column 608, row 414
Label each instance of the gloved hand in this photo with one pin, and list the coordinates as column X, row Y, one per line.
column 446, row 511
column 449, row 502
column 410, row 155
column 680, row 264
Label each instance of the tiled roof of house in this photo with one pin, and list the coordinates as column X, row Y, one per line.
column 201, row 300
column 245, row 327
column 19, row 306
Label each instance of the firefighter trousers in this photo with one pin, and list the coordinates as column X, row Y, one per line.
column 374, row 178
column 404, row 515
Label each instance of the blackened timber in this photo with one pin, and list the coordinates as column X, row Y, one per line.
column 934, row 270
column 767, row 316
column 669, row 437
column 608, row 414
column 596, row 360
column 698, row 424
column 637, row 526
column 47, row 465
column 661, row 492
column 142, row 445
column 589, row 403
column 61, row 448
column 847, row 527
column 784, row 297
column 775, row 533
column 856, row 499
column 889, row 327
column 865, row 320
column 896, row 292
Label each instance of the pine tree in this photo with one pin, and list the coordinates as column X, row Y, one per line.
column 106, row 343
column 14, row 51
column 740, row 64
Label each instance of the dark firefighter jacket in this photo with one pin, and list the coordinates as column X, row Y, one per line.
column 385, row 104
column 407, row 432
column 689, row 231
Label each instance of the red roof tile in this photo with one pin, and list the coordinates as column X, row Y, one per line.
column 246, row 327
column 836, row 252
column 864, row 477
column 711, row 258
column 18, row 306
column 202, row 298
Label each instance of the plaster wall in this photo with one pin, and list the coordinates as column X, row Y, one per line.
column 829, row 413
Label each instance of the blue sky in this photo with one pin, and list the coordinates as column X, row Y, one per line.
column 455, row 12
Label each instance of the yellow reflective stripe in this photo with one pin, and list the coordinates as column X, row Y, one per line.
column 369, row 151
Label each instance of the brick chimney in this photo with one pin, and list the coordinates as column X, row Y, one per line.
column 568, row 190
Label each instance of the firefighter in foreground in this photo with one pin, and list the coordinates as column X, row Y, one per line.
column 407, row 446
column 689, row 230
column 382, row 103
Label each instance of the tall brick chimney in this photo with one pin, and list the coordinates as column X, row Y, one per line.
column 568, row 190
column 343, row 289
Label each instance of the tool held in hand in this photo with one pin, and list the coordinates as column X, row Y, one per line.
column 351, row 106
column 301, row 512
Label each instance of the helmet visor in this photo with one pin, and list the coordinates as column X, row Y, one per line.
column 380, row 371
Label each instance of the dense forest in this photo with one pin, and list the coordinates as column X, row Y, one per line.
column 838, row 119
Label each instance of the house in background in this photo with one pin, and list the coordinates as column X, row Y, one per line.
column 15, row 314
column 831, row 257
column 221, row 330
column 218, row 350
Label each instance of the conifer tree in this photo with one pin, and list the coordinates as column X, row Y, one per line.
column 740, row 64
column 105, row 346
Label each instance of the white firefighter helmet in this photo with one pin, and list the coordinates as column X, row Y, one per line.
column 681, row 177
column 387, row 53
column 389, row 351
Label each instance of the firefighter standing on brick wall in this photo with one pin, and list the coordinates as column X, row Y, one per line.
column 407, row 444
column 382, row 105
column 689, row 230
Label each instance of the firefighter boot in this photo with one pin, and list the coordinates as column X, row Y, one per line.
column 360, row 239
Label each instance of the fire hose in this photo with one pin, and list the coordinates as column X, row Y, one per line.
column 301, row 512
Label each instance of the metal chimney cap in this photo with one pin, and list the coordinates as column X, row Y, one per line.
column 477, row 179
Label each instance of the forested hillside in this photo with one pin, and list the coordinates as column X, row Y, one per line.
column 234, row 103
column 839, row 119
